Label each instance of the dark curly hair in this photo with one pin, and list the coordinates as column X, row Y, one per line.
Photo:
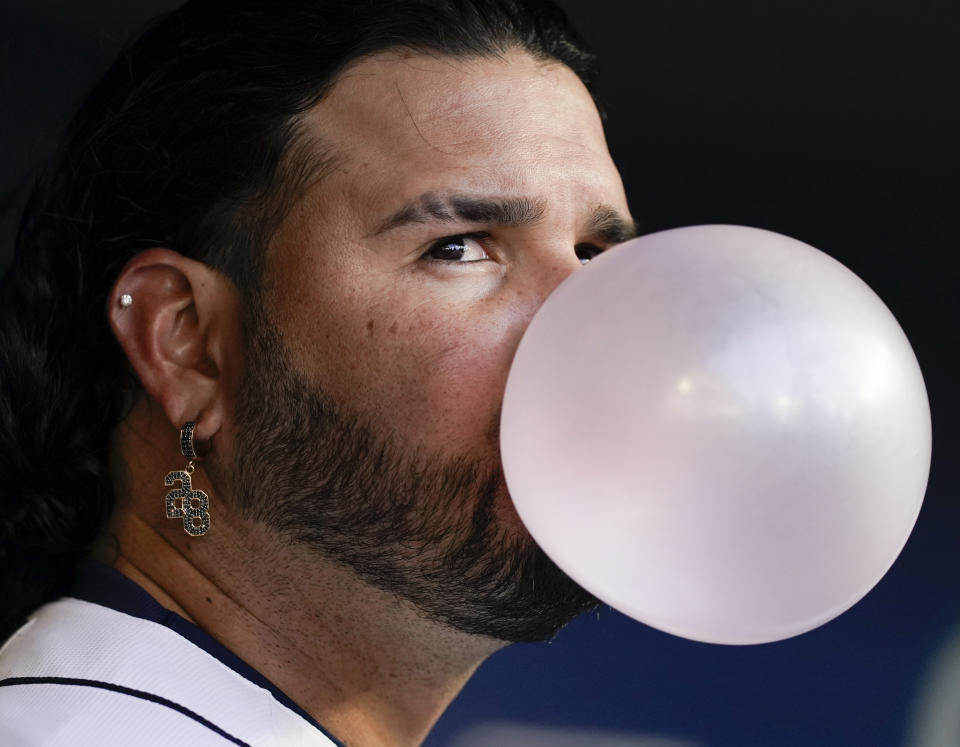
column 190, row 142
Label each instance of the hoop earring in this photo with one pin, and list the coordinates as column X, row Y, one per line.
column 193, row 506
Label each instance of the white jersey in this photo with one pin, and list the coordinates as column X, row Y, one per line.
column 108, row 666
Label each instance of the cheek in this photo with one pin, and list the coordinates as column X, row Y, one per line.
column 427, row 365
column 440, row 381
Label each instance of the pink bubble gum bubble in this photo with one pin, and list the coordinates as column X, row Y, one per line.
column 720, row 431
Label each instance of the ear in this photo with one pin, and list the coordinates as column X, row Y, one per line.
column 180, row 332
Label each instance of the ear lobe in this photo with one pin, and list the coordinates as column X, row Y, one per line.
column 174, row 331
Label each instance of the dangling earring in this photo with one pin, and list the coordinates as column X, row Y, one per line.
column 193, row 506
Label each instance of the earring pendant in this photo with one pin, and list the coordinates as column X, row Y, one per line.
column 192, row 506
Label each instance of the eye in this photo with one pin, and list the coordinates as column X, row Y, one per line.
column 586, row 252
column 458, row 249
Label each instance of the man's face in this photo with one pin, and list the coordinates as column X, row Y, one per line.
column 395, row 294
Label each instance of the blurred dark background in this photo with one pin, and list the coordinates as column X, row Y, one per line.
column 833, row 122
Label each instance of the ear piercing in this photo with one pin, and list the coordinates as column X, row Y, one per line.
column 126, row 300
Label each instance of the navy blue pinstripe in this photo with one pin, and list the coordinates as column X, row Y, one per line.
column 141, row 694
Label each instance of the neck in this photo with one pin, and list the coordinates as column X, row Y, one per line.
column 365, row 664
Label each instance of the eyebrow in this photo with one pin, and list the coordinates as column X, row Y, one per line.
column 610, row 226
column 432, row 207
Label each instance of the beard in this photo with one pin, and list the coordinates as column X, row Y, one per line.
column 420, row 525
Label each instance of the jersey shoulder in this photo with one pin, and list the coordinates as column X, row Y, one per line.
column 80, row 673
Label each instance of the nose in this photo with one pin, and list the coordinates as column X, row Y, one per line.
column 539, row 275
column 535, row 279
column 550, row 270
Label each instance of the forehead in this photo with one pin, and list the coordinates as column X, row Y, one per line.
column 406, row 122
